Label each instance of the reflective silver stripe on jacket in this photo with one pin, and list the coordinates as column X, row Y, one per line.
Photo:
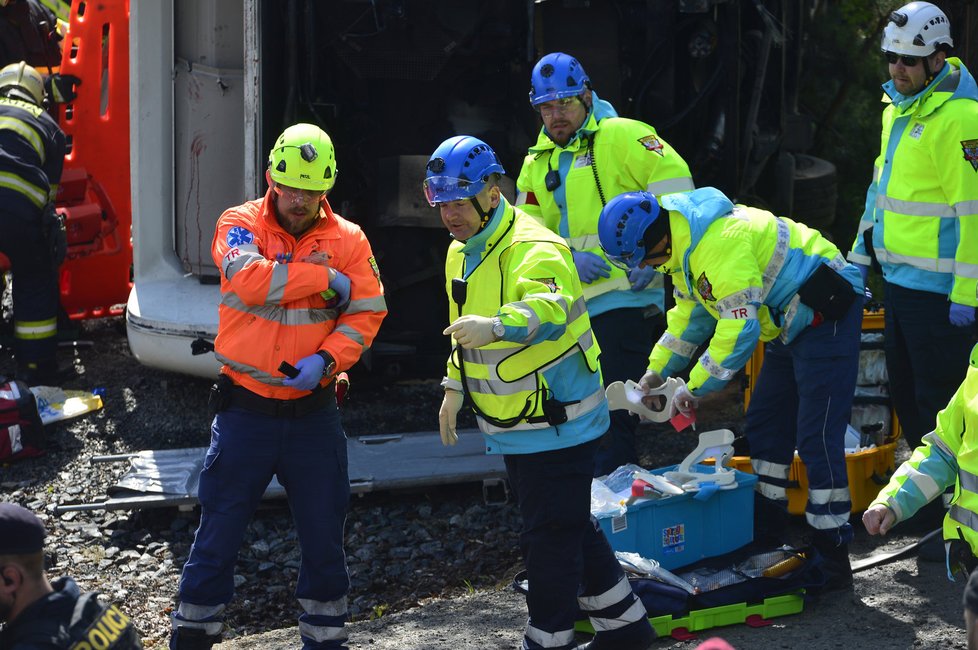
column 276, row 286
column 281, row 315
column 964, row 517
column 741, row 305
column 968, row 480
column 915, row 208
column 715, row 369
column 246, row 254
column 939, row 265
column 573, row 412
column 258, row 375
column 778, row 257
column 677, row 345
column 670, row 186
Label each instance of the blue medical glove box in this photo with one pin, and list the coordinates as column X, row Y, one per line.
column 681, row 529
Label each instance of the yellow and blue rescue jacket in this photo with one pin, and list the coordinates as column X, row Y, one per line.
column 947, row 456
column 548, row 358
column 607, row 156
column 923, row 202
column 736, row 273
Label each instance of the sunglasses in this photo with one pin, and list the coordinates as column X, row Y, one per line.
column 908, row 61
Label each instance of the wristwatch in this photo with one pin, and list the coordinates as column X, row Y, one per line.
column 498, row 329
column 330, row 368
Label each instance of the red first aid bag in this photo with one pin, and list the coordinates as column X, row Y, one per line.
column 21, row 429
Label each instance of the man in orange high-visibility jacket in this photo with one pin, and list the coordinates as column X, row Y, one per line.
column 298, row 284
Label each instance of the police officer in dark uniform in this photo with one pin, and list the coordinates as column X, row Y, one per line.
column 37, row 614
column 32, row 237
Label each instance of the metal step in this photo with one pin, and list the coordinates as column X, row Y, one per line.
column 168, row 477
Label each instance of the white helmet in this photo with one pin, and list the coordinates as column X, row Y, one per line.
column 917, row 29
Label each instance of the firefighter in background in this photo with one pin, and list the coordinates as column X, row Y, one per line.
column 32, row 236
column 921, row 219
column 585, row 155
column 945, row 458
column 526, row 362
column 298, row 284
column 31, row 31
column 38, row 613
column 742, row 275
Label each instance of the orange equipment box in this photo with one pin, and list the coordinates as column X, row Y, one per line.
column 868, row 470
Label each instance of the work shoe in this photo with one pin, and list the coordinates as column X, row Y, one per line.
column 192, row 638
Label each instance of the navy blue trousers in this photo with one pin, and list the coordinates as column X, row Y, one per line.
column 308, row 455
column 803, row 399
column 926, row 357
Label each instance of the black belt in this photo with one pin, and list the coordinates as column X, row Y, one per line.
column 284, row 408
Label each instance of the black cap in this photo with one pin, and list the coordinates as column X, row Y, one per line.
column 21, row 532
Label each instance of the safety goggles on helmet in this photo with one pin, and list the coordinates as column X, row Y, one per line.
column 908, row 61
column 459, row 169
column 445, row 189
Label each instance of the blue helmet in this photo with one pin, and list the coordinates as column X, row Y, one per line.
column 623, row 225
column 459, row 169
column 555, row 76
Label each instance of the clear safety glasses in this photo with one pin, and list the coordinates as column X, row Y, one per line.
column 561, row 106
column 442, row 189
column 295, row 195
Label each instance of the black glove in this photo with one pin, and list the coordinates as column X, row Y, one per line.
column 55, row 234
column 61, row 87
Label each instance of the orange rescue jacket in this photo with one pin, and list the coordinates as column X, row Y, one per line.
column 271, row 308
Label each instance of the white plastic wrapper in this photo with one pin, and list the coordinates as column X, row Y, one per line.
column 604, row 501
column 872, row 368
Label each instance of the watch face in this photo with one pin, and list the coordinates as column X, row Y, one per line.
column 498, row 329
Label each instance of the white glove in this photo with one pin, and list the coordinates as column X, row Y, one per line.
column 447, row 416
column 649, row 381
column 472, row 331
column 684, row 401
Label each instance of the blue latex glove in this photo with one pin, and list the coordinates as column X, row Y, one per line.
column 340, row 283
column 640, row 277
column 590, row 266
column 310, row 373
column 961, row 315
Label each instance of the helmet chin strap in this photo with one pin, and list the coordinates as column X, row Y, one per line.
column 483, row 215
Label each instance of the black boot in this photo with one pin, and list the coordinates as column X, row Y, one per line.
column 835, row 561
column 192, row 638
column 771, row 522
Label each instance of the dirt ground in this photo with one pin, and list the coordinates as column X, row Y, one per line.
column 907, row 603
